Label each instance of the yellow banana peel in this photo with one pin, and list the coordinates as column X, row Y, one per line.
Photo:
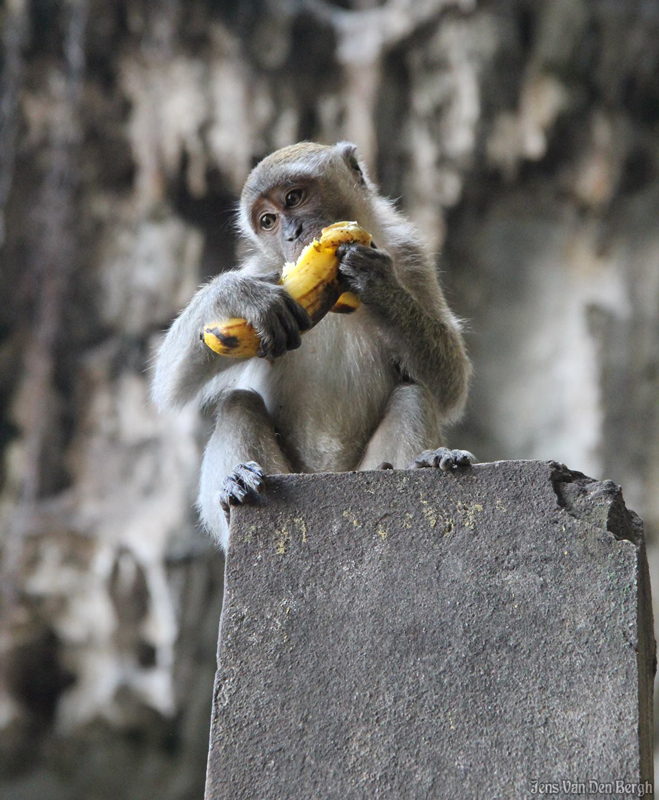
column 313, row 281
column 346, row 304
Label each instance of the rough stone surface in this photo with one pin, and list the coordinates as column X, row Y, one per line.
column 421, row 635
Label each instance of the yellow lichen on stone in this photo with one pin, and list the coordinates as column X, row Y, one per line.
column 430, row 515
column 302, row 527
column 282, row 538
column 401, row 487
column 382, row 532
column 249, row 535
column 349, row 515
column 469, row 511
column 285, row 603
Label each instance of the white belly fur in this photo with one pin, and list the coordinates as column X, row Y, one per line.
column 327, row 397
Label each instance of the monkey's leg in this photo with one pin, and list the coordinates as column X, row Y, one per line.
column 241, row 451
column 410, row 424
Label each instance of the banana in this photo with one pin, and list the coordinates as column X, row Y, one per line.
column 313, row 281
column 346, row 304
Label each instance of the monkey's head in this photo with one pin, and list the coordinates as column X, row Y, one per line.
column 295, row 192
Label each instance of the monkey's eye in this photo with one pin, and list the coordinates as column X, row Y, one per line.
column 268, row 221
column 294, row 198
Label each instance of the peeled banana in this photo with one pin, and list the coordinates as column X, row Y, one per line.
column 313, row 281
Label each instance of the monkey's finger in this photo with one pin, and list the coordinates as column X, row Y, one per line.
column 265, row 345
column 246, row 479
column 288, row 323
column 294, row 339
column 448, row 460
column 245, row 482
column 426, row 459
column 233, row 493
column 446, row 463
column 279, row 338
column 255, row 468
column 251, row 477
column 352, row 254
column 342, row 250
column 366, row 251
column 453, row 459
column 273, row 338
column 301, row 316
column 359, row 261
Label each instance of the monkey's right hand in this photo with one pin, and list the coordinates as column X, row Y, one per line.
column 277, row 318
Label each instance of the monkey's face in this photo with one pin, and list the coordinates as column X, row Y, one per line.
column 288, row 216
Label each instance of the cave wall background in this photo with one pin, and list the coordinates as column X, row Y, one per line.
column 522, row 137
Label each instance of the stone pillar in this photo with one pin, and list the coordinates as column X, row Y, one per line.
column 429, row 635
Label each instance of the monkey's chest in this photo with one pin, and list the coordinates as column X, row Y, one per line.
column 327, row 397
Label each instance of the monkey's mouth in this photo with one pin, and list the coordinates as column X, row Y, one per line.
column 293, row 250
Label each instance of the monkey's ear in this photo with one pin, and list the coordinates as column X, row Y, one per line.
column 349, row 152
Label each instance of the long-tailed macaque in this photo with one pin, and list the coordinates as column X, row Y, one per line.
column 364, row 391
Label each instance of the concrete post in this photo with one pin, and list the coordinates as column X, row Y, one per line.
column 427, row 635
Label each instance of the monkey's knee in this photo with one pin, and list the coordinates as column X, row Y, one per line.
column 242, row 407
column 409, row 397
column 238, row 400
column 409, row 425
column 412, row 410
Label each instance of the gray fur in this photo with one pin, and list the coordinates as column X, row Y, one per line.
column 371, row 387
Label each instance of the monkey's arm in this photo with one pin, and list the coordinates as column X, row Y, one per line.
column 416, row 322
column 241, row 450
column 184, row 364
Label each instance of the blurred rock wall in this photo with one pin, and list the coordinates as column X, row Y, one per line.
column 522, row 137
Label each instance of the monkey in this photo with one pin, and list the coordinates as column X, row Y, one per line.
column 363, row 391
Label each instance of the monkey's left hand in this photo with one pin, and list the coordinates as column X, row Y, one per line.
column 366, row 271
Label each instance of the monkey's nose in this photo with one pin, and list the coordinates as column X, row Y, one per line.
column 294, row 233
